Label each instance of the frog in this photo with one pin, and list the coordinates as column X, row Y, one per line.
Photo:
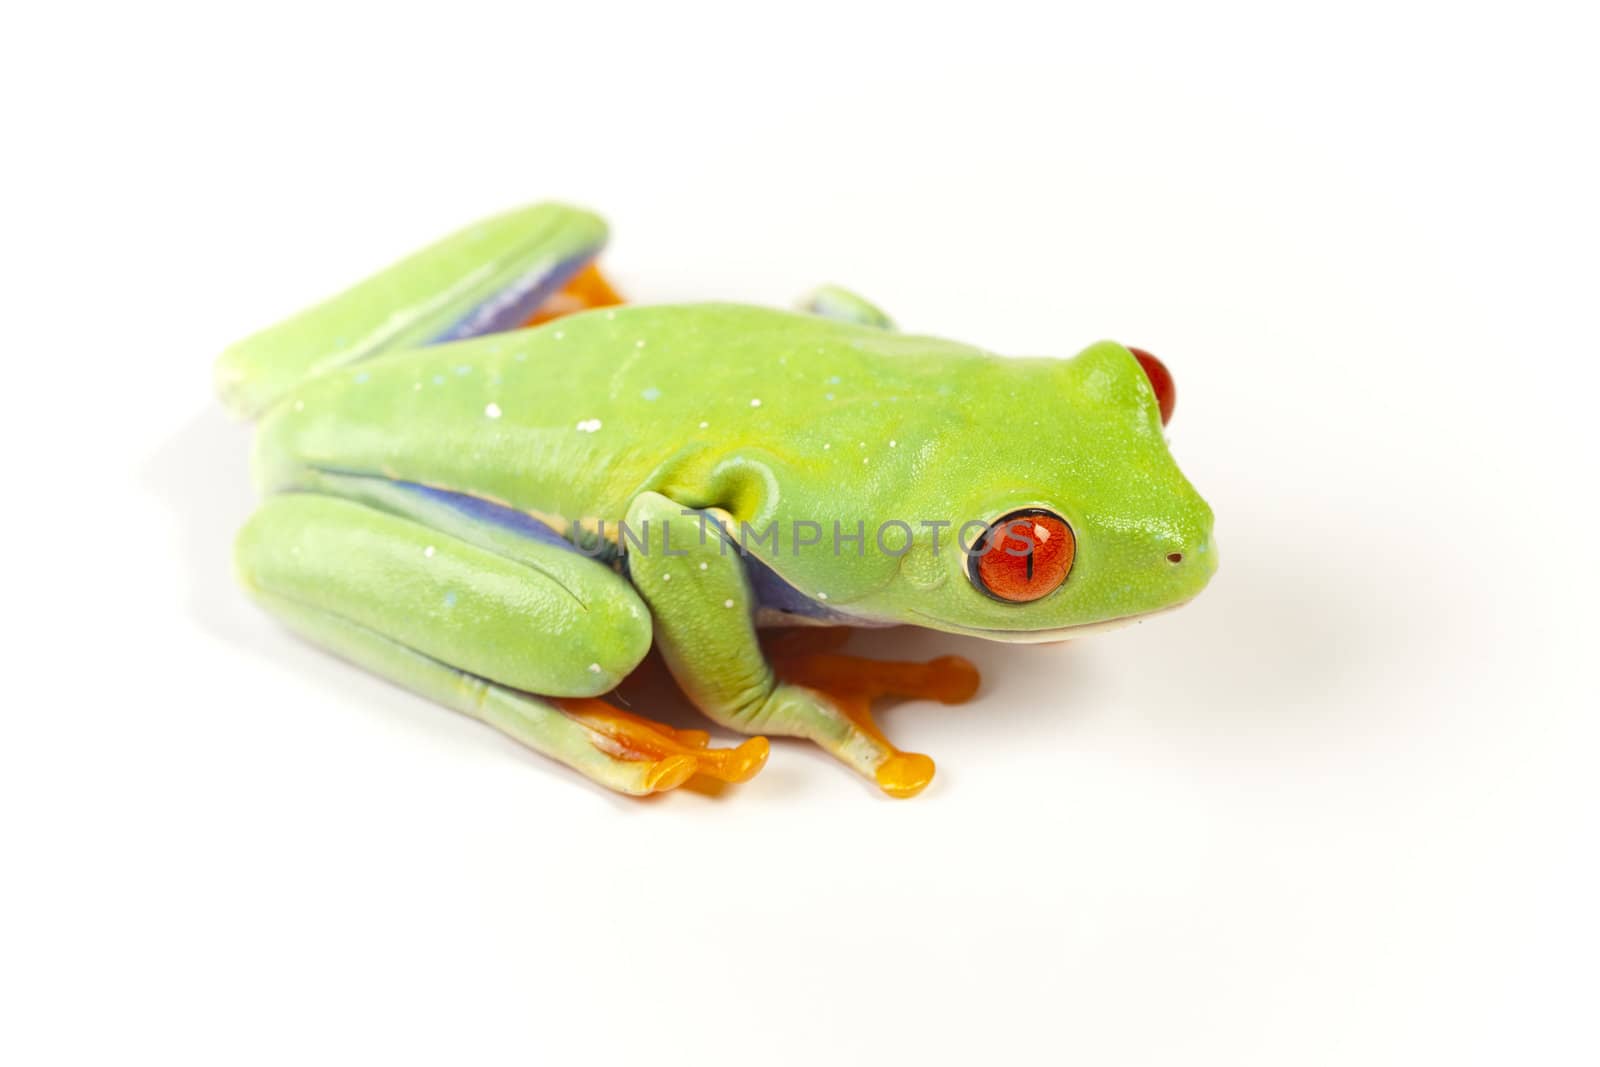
column 486, row 477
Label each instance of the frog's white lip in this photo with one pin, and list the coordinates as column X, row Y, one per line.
column 1039, row 637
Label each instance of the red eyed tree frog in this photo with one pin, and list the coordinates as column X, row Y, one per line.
column 490, row 481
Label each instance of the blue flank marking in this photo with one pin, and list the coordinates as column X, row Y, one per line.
column 516, row 303
column 651, row 393
column 770, row 588
column 493, row 514
column 773, row 592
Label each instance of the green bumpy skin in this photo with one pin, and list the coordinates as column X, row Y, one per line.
column 817, row 426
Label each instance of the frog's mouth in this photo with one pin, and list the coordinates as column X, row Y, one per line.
column 783, row 604
column 1041, row 637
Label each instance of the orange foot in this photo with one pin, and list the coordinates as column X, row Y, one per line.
column 587, row 289
column 674, row 756
column 807, row 658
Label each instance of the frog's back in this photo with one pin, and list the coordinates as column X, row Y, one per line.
column 576, row 417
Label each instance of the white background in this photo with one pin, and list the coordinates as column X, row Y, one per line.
column 1340, row 810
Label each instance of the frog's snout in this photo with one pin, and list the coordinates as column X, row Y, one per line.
column 1193, row 562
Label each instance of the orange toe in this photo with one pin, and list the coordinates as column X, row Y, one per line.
column 669, row 773
column 675, row 756
column 852, row 682
column 905, row 774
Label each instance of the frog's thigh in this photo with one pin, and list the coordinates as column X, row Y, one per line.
column 457, row 623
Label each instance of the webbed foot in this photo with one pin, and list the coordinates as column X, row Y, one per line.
column 807, row 658
column 674, row 756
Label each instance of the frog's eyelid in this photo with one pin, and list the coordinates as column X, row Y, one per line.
column 1161, row 383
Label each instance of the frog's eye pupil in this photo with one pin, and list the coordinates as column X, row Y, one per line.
column 1023, row 556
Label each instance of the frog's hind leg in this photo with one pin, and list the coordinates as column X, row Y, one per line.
column 494, row 275
column 522, row 643
column 534, row 721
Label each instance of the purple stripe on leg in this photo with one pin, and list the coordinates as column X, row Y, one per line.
column 516, row 303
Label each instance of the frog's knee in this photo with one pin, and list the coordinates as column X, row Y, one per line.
column 614, row 638
column 265, row 544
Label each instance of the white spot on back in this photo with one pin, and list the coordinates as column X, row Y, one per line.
column 492, row 410
column 588, row 425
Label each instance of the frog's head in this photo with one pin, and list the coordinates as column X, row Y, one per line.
column 1076, row 513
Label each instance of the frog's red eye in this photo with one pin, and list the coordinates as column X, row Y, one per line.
column 1160, row 380
column 1023, row 556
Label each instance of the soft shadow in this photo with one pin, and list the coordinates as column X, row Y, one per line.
column 1284, row 625
column 202, row 475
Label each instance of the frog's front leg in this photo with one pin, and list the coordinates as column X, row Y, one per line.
column 522, row 639
column 697, row 590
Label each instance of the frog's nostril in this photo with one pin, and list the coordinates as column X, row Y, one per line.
column 1174, row 557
